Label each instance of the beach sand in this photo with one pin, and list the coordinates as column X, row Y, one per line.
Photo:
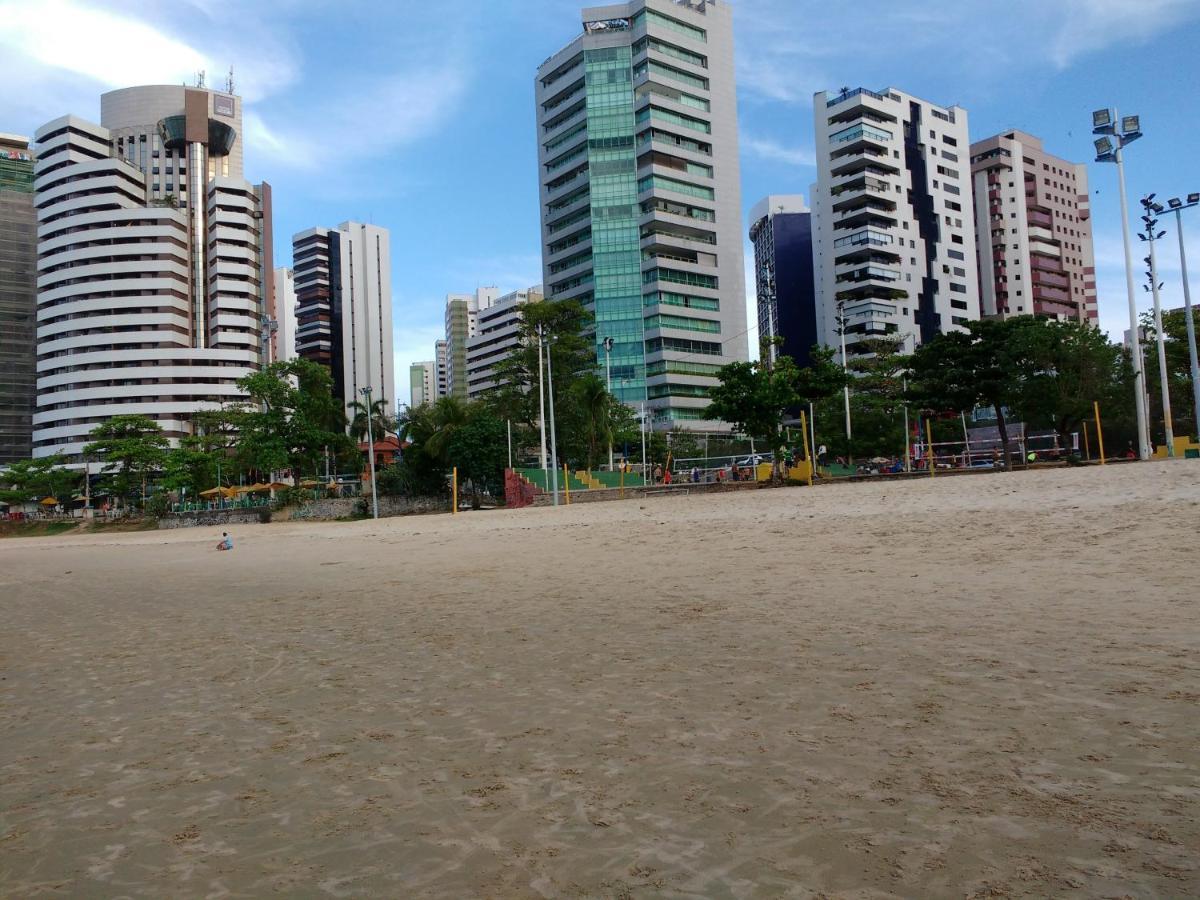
column 984, row 686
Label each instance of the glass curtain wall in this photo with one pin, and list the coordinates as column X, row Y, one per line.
column 616, row 251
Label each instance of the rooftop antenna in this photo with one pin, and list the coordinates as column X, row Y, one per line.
column 200, row 79
column 229, row 81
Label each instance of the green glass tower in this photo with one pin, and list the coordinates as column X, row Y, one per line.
column 640, row 198
column 18, row 298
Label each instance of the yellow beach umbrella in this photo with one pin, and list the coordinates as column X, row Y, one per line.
column 50, row 501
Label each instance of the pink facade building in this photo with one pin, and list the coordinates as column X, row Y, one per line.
column 1034, row 231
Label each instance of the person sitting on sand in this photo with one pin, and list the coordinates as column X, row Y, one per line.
column 226, row 541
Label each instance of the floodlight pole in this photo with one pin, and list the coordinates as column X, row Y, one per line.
column 553, row 437
column 1191, row 326
column 1164, row 381
column 541, row 400
column 1139, row 374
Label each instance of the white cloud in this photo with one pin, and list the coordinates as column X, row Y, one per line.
column 773, row 151
column 117, row 50
column 1091, row 25
column 368, row 117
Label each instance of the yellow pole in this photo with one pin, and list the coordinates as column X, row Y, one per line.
column 567, row 483
column 1087, row 447
column 929, row 455
column 807, row 455
column 1099, row 433
column 454, row 491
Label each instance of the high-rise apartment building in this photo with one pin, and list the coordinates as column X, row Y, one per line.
column 441, row 357
column 1034, row 230
column 462, row 321
column 343, row 283
column 18, row 298
column 422, row 383
column 497, row 335
column 894, row 236
column 154, row 264
column 281, row 339
column 781, row 232
column 641, row 197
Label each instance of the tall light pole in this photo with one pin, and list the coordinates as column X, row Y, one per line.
column 1108, row 149
column 841, row 319
column 904, row 402
column 1179, row 206
column 1152, row 235
column 553, row 438
column 608, row 345
column 366, row 394
column 541, row 398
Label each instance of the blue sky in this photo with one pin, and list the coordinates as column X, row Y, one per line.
column 419, row 116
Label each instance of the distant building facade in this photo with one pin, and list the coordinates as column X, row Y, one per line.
column 894, row 235
column 462, row 320
column 497, row 335
column 422, row 381
column 441, row 359
column 18, row 298
column 343, row 283
column 781, row 232
column 154, row 264
column 1033, row 220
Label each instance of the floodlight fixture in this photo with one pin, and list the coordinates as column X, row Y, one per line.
column 1193, row 198
column 1175, row 203
column 1104, row 147
column 1102, row 118
column 1131, row 125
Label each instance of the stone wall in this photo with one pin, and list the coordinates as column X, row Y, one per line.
column 345, row 508
column 213, row 518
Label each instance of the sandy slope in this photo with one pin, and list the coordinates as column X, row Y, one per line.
column 984, row 686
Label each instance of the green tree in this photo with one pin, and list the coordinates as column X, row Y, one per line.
column 201, row 458
column 595, row 416
column 982, row 366
column 30, row 480
column 478, row 448
column 1063, row 368
column 131, row 449
column 752, row 396
column 291, row 420
column 1179, row 379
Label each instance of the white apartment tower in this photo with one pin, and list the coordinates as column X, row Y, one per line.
column 641, row 197
column 893, row 235
column 441, row 354
column 497, row 335
column 281, row 340
column 343, row 283
column 153, row 264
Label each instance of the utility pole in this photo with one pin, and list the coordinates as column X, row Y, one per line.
column 608, row 345
column 553, row 437
column 1150, row 237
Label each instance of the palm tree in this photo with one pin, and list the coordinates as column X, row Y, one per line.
column 430, row 427
column 381, row 420
column 595, row 407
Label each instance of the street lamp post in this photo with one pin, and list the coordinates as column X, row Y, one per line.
column 608, row 345
column 1150, row 237
column 366, row 393
column 846, row 387
column 1179, row 206
column 553, row 438
column 541, row 398
column 1108, row 149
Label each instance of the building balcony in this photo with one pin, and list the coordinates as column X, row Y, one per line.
column 864, row 254
column 868, row 272
column 863, row 165
column 865, row 197
column 867, row 236
column 865, row 218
